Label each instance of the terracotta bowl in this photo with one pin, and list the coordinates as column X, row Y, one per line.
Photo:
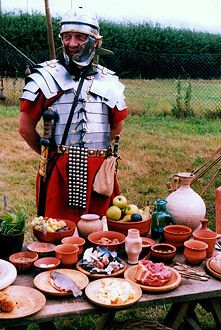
column 122, row 227
column 194, row 251
column 57, row 236
column 47, row 263
column 43, row 249
column 146, row 244
column 177, row 234
column 67, row 253
column 208, row 237
column 107, row 240
column 79, row 241
column 162, row 252
column 23, row 261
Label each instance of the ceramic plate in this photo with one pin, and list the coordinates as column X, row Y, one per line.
column 42, row 281
column 8, row 274
column 27, row 301
column 212, row 272
column 121, row 271
column 41, row 247
column 172, row 284
column 93, row 287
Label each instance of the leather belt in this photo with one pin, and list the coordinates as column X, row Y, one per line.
column 91, row 152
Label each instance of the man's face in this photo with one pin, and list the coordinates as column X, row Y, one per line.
column 72, row 42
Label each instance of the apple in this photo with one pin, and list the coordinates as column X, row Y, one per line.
column 120, row 201
column 131, row 209
column 114, row 213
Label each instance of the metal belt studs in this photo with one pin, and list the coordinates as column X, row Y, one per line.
column 77, row 176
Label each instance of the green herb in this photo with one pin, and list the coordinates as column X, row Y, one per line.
column 12, row 222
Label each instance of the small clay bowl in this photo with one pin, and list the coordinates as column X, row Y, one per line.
column 43, row 249
column 112, row 240
column 67, row 253
column 177, row 234
column 163, row 252
column 194, row 251
column 79, row 241
column 146, row 244
column 47, row 263
column 23, row 261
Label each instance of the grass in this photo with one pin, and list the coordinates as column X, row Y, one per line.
column 152, row 148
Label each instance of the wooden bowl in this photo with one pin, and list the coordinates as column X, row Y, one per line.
column 177, row 234
column 57, row 236
column 67, row 253
column 47, row 263
column 23, row 261
column 162, row 252
column 79, row 241
column 112, row 240
column 43, row 249
column 122, row 227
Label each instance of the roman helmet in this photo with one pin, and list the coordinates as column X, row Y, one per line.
column 80, row 20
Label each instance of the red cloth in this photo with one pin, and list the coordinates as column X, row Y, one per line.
column 57, row 185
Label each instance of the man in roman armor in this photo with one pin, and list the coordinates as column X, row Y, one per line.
column 74, row 156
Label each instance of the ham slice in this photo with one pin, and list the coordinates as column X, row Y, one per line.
column 153, row 274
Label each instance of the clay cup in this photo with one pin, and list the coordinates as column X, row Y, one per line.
column 207, row 236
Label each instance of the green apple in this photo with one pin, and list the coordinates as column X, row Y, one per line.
column 120, row 201
column 114, row 213
column 131, row 209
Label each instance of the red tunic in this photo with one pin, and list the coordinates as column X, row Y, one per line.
column 57, row 185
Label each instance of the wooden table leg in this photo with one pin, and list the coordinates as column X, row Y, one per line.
column 179, row 312
column 215, row 309
column 105, row 320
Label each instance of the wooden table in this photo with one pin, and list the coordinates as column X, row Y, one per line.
column 183, row 299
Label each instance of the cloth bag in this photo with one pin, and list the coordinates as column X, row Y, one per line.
column 104, row 179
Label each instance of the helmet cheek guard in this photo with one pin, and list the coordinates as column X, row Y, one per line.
column 86, row 53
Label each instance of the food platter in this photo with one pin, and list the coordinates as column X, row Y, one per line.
column 26, row 300
column 97, row 275
column 172, row 284
column 211, row 271
column 42, row 281
column 93, row 287
column 8, row 273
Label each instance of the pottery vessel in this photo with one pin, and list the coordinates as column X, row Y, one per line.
column 89, row 223
column 112, row 240
column 133, row 246
column 163, row 252
column 194, row 251
column 208, row 237
column 67, row 253
column 177, row 234
column 23, row 261
column 186, row 206
column 79, row 241
column 10, row 243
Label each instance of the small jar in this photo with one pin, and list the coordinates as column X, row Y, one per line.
column 133, row 246
column 88, row 224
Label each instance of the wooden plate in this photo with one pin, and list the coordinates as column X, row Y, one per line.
column 42, row 281
column 8, row 273
column 27, row 301
column 121, row 271
column 41, row 247
column 212, row 272
column 173, row 283
column 93, row 287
